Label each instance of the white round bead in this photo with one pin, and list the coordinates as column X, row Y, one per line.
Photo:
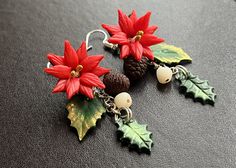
column 123, row 100
column 164, row 74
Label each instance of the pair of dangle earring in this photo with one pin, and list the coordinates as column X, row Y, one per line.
column 89, row 98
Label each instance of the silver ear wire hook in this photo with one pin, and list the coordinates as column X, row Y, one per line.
column 105, row 42
column 49, row 64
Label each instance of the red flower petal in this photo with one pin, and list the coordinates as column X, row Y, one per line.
column 72, row 87
column 125, row 51
column 91, row 62
column 151, row 29
column 136, row 50
column 125, row 23
column 99, row 71
column 86, row 91
column 91, row 80
column 61, row 86
column 149, row 39
column 148, row 53
column 142, row 22
column 133, row 16
column 71, row 58
column 82, row 52
column 112, row 29
column 59, row 71
column 55, row 59
column 119, row 38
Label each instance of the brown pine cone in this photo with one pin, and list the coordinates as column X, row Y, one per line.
column 116, row 83
column 134, row 69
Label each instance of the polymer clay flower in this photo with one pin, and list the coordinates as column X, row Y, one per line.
column 77, row 72
column 134, row 35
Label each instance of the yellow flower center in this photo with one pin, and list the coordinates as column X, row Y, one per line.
column 76, row 73
column 138, row 35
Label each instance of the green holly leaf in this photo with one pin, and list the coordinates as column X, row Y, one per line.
column 84, row 113
column 169, row 54
column 200, row 89
column 136, row 133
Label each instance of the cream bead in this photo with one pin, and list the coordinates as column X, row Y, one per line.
column 164, row 75
column 123, row 99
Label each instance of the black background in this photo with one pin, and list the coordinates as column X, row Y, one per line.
column 34, row 129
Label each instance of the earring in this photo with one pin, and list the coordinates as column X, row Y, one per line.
column 78, row 75
column 89, row 98
column 140, row 50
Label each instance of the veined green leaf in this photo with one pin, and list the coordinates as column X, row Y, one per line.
column 200, row 89
column 84, row 113
column 169, row 54
column 136, row 133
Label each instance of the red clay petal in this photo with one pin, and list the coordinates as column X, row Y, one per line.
column 86, row 91
column 59, row 71
column 125, row 23
column 125, row 51
column 130, row 26
column 99, row 71
column 136, row 50
column 133, row 16
column 148, row 53
column 122, row 21
column 71, row 58
column 91, row 62
column 82, row 52
column 61, row 86
column 151, row 29
column 91, row 80
column 149, row 39
column 142, row 22
column 55, row 59
column 72, row 87
column 119, row 38
column 112, row 29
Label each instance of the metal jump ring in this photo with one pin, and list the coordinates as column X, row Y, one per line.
column 128, row 114
column 174, row 70
column 183, row 69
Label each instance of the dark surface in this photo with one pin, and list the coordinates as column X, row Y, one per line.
column 34, row 129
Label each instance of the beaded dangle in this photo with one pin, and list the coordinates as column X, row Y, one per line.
column 78, row 75
column 141, row 50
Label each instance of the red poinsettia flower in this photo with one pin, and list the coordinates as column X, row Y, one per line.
column 133, row 35
column 77, row 72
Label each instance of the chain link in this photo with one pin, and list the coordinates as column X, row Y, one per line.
column 108, row 102
column 120, row 113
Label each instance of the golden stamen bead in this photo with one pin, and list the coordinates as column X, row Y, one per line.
column 138, row 37
column 76, row 72
column 140, row 32
column 73, row 73
column 79, row 68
